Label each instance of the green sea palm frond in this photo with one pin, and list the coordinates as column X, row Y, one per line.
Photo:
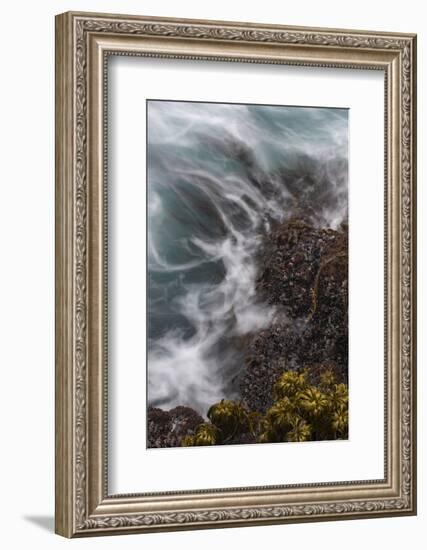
column 340, row 421
column 206, row 434
column 313, row 401
column 339, row 395
column 229, row 417
column 267, row 436
column 327, row 379
column 188, row 441
column 290, row 383
column 255, row 420
column 280, row 415
column 301, row 431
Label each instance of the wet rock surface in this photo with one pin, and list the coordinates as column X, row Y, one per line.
column 304, row 274
column 167, row 428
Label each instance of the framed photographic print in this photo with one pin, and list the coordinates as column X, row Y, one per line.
column 235, row 274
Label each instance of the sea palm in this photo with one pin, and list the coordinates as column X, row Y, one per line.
column 268, row 436
column 255, row 419
column 313, row 401
column 339, row 395
column 301, row 431
column 280, row 415
column 290, row 383
column 188, row 441
column 327, row 378
column 228, row 417
column 206, row 434
column 340, row 421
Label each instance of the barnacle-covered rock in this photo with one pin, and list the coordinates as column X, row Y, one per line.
column 304, row 274
column 301, row 260
column 168, row 428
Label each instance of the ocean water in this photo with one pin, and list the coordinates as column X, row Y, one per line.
column 219, row 176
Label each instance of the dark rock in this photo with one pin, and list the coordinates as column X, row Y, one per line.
column 167, row 428
column 304, row 274
column 295, row 258
column 242, row 439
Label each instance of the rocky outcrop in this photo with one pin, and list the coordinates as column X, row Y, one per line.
column 168, row 428
column 304, row 274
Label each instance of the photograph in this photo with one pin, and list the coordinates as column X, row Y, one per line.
column 247, row 273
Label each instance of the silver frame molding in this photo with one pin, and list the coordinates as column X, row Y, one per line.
column 83, row 43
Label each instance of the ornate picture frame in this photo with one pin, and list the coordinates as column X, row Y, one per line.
column 84, row 42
